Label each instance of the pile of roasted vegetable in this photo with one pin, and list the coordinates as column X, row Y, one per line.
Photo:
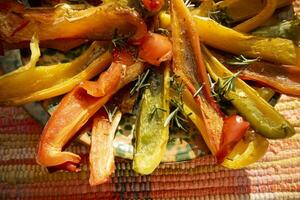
column 218, row 66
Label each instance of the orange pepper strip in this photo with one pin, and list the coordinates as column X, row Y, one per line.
column 101, row 157
column 72, row 113
column 188, row 65
column 259, row 19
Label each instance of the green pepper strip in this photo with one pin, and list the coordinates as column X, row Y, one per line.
column 264, row 119
column 30, row 83
column 152, row 135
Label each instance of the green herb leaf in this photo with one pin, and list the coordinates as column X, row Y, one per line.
column 241, row 60
column 140, row 83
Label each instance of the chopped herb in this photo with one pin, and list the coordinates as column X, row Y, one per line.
column 177, row 118
column 229, row 82
column 198, row 91
column 241, row 60
column 163, row 31
column 176, row 85
column 155, row 111
column 220, row 16
column 110, row 113
column 140, row 83
column 118, row 41
column 189, row 4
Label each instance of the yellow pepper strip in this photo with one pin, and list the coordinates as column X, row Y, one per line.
column 204, row 8
column 247, row 151
column 30, row 83
column 220, row 37
column 259, row 19
column 263, row 118
column 151, row 133
column 239, row 10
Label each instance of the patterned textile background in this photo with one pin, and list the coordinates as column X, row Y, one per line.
column 276, row 176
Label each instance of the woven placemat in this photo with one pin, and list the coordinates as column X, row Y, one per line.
column 276, row 176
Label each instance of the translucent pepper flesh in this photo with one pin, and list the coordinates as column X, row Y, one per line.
column 151, row 134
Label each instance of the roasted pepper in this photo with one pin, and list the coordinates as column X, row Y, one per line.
column 151, row 134
column 189, row 67
column 239, row 10
column 62, row 126
column 259, row 19
column 102, row 163
column 276, row 50
column 18, row 24
column 48, row 81
column 284, row 79
column 264, row 119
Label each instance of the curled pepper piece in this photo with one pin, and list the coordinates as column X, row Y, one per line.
column 264, row 119
column 259, row 19
column 101, row 157
column 108, row 81
column 247, row 151
column 52, row 80
column 276, row 50
column 65, row 22
column 62, row 126
column 189, row 66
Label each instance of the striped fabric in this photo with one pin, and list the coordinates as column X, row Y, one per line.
column 277, row 176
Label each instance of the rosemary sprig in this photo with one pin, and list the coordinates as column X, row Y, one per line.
column 221, row 16
column 198, row 91
column 229, row 82
column 110, row 113
column 176, row 85
column 177, row 118
column 118, row 41
column 241, row 60
column 189, row 4
column 140, row 83
column 155, row 112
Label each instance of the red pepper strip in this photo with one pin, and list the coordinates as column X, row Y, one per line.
column 284, row 79
column 155, row 49
column 108, row 81
column 234, row 129
column 72, row 113
column 188, row 65
column 101, row 157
